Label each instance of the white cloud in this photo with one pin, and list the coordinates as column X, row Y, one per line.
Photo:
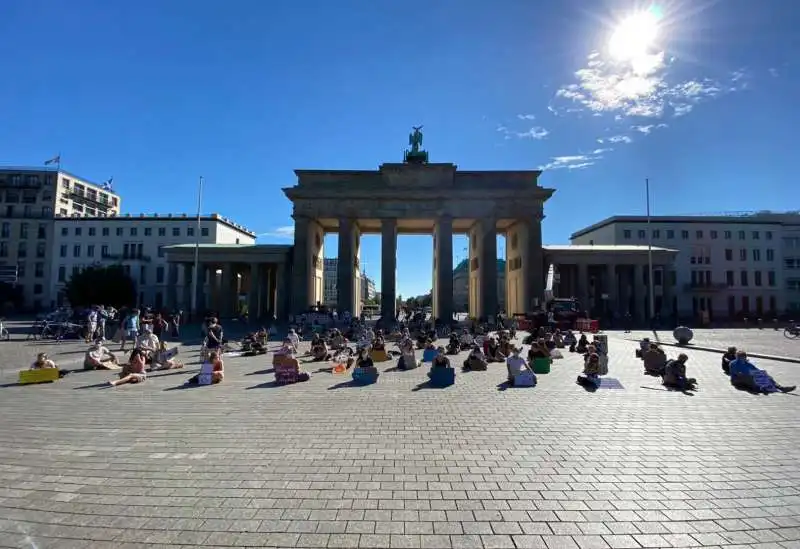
column 526, row 117
column 641, row 88
column 574, row 162
column 615, row 139
column 286, row 232
column 773, row 72
column 648, row 128
column 536, row 132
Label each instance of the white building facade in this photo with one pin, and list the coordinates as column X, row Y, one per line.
column 137, row 243
column 330, row 295
column 30, row 199
column 728, row 266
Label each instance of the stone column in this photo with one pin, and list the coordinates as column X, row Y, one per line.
column 666, row 292
column 612, row 287
column 533, row 264
column 639, row 291
column 282, row 301
column 254, row 293
column 201, row 275
column 301, row 263
column 388, row 269
column 172, row 285
column 583, row 285
column 267, row 292
column 488, row 268
column 186, row 298
column 443, row 270
column 227, row 292
column 345, row 269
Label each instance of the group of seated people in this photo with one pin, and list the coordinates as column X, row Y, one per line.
column 255, row 343
column 43, row 361
column 671, row 371
column 745, row 375
column 149, row 354
column 459, row 342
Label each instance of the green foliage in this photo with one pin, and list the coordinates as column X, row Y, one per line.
column 101, row 286
column 11, row 296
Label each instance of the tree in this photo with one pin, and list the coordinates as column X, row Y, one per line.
column 11, row 296
column 98, row 285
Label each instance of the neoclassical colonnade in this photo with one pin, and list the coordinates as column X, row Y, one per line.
column 227, row 272
column 418, row 198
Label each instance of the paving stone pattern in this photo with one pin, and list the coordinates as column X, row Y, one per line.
column 767, row 341
column 323, row 464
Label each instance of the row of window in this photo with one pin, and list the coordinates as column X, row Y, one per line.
column 705, row 304
column 18, row 180
column 627, row 234
column 755, row 253
column 22, row 249
column 130, row 250
column 27, row 196
column 133, row 231
column 142, row 279
column 27, row 211
column 92, row 194
column 703, row 278
column 5, row 230
column 22, row 269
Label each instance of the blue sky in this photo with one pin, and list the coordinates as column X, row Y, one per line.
column 156, row 93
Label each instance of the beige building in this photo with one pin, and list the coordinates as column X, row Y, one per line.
column 30, row 198
column 461, row 286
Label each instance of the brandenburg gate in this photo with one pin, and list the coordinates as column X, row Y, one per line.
column 418, row 197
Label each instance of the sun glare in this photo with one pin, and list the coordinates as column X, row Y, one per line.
column 634, row 37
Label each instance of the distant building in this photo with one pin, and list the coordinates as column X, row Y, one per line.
column 30, row 199
column 329, row 291
column 137, row 243
column 461, row 285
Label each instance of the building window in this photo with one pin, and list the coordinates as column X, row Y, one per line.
column 38, row 289
column 38, row 270
column 76, row 250
column 741, row 235
column 90, row 250
column 727, row 235
column 756, row 235
column 162, row 231
column 176, row 231
column 770, row 254
column 78, row 231
column 119, row 231
column 729, row 278
column 62, row 274
column 41, row 250
column 768, row 235
column 62, row 211
column 134, row 231
column 142, row 274
column 743, row 254
column 22, row 250
column 159, row 275
column 103, row 251
column 5, row 232
column 41, row 233
column 771, row 279
column 204, row 231
column 699, row 235
column 685, row 235
column 148, row 231
column 656, row 234
column 23, row 230
column 105, row 231
column 190, row 231
column 3, row 249
column 63, row 250
column 75, row 270
column 743, row 279
column 670, row 234
column 728, row 254
column 756, row 255
column 47, row 211
column 757, row 278
column 161, row 251
column 714, row 235
column 92, row 231
column 21, row 269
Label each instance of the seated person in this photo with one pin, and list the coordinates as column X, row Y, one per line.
column 42, row 361
column 476, row 361
column 549, row 342
column 536, row 351
column 453, row 345
column 379, row 344
column 570, row 341
column 364, row 362
column 517, row 365
column 429, row 344
column 212, row 371
column 287, row 348
column 727, row 358
column 163, row 359
column 294, row 338
column 134, row 371
column 655, row 360
column 493, row 352
column 255, row 342
column 675, row 374
column 581, row 345
column 98, row 357
column 558, row 339
column 287, row 367
column 591, row 371
column 147, row 342
column 338, row 341
column 319, row 349
column 506, row 347
column 644, row 346
column 441, row 360
column 466, row 340
column 408, row 359
column 745, row 375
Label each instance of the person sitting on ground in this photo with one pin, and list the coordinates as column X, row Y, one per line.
column 558, row 339
column 516, row 364
column 727, row 358
column 476, row 361
column 379, row 343
column 429, row 346
column 675, row 374
column 408, row 359
column 319, row 350
column 591, row 371
column 570, row 341
column 654, row 360
column 549, row 342
column 338, row 342
column 441, row 360
column 493, row 352
column 453, row 345
column 98, row 357
column 537, row 351
column 745, row 375
column 506, row 347
column 147, row 342
column 466, row 340
column 163, row 359
column 582, row 345
column 294, row 338
column 364, row 361
column 212, row 371
column 644, row 346
column 134, row 371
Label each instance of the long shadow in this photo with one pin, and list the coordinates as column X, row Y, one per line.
column 668, row 390
column 427, row 385
column 183, row 386
column 103, row 385
column 345, row 384
column 260, row 372
column 268, row 385
column 167, row 373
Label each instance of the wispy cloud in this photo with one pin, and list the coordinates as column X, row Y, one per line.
column 526, row 116
column 575, row 161
column 535, row 132
column 642, row 88
column 646, row 129
column 286, row 232
column 773, row 72
column 615, row 139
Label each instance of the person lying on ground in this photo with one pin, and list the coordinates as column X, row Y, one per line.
column 134, row 372
column 727, row 358
column 164, row 358
column 745, row 375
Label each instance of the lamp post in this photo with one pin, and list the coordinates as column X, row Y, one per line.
column 196, row 277
column 650, row 285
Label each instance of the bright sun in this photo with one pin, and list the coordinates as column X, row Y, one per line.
column 634, row 37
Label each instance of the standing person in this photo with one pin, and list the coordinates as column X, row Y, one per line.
column 176, row 324
column 160, row 326
column 130, row 328
column 91, row 323
column 102, row 318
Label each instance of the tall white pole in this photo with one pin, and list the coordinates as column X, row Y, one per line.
column 650, row 281
column 196, row 276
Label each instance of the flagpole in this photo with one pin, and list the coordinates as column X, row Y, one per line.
column 196, row 277
column 650, row 284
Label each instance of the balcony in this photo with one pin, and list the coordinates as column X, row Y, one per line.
column 696, row 287
column 83, row 198
column 123, row 257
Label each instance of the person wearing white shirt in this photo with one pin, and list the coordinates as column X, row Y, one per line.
column 517, row 365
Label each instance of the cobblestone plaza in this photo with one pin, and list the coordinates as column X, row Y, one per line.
column 323, row 464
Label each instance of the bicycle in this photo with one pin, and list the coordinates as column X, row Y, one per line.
column 4, row 335
column 792, row 332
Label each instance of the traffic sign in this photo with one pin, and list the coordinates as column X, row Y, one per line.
column 8, row 273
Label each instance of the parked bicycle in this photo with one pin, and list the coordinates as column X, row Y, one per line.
column 4, row 335
column 792, row 331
